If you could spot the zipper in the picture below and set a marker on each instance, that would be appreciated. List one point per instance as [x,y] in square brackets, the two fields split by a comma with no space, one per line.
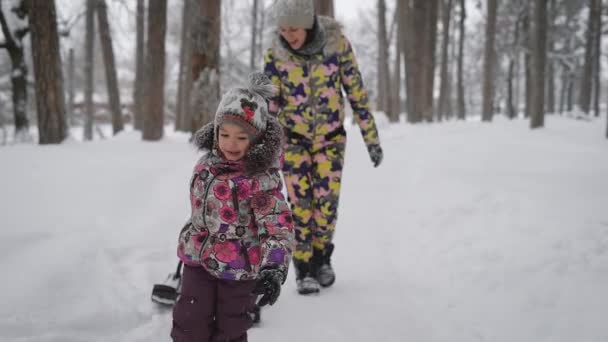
[235,199]
[206,192]
[311,100]
[246,256]
[235,204]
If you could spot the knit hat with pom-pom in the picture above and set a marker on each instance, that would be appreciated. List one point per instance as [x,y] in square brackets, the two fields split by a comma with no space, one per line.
[247,107]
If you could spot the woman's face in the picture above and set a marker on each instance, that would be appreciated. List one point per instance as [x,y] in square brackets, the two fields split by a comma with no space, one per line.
[294,36]
[233,141]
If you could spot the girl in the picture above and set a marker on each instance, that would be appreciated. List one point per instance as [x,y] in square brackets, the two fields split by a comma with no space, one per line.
[239,239]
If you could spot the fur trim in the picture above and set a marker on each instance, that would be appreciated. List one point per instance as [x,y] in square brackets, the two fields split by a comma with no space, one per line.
[333,37]
[262,155]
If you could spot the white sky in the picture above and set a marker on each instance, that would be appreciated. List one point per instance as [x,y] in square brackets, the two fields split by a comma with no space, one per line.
[348,9]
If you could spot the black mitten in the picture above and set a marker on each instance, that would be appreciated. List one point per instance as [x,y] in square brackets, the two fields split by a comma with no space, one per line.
[269,285]
[375,154]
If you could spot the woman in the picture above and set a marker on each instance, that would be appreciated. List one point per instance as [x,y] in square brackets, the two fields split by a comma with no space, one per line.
[310,62]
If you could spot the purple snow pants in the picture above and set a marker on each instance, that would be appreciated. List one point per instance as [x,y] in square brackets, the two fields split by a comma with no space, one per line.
[211,309]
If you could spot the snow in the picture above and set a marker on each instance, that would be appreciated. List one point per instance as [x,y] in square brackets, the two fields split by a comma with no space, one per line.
[467,232]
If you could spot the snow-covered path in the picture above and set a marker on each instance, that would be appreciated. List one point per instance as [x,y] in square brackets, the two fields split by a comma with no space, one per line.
[467,232]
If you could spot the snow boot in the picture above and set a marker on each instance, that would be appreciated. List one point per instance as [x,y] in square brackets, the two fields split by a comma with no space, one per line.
[305,281]
[321,260]
[167,292]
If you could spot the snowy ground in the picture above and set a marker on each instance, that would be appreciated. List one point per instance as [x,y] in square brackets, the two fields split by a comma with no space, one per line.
[467,232]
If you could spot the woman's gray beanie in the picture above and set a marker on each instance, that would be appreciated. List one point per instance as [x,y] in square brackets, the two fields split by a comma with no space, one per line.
[295,13]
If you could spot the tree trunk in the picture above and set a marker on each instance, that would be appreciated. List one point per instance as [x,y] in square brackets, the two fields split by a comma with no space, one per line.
[539,52]
[260,40]
[527,62]
[607,122]
[414,22]
[13,43]
[460,86]
[453,58]
[517,90]
[139,85]
[511,113]
[570,93]
[562,91]
[550,103]
[400,12]
[50,103]
[429,57]
[71,72]
[444,96]
[324,7]
[511,108]
[205,60]
[89,70]
[597,70]
[182,122]
[584,99]
[382,97]
[108,58]
[488,63]
[420,40]
[180,73]
[155,70]
[254,34]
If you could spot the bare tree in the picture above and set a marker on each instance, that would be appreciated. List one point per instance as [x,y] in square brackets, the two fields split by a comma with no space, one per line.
[430,41]
[254,35]
[89,70]
[460,81]
[108,58]
[420,62]
[184,80]
[139,86]
[550,99]
[539,56]
[2,128]
[71,72]
[584,99]
[527,47]
[513,56]
[597,37]
[400,12]
[488,63]
[205,61]
[154,106]
[13,43]
[50,105]
[445,107]
[262,24]
[324,7]
[382,98]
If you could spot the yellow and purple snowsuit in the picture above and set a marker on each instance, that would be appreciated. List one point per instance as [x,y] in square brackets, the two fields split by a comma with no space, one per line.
[310,106]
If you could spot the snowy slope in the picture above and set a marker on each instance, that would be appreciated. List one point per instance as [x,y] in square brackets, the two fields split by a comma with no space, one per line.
[467,232]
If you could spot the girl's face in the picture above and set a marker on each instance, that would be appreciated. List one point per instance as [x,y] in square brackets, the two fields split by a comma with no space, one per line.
[233,141]
[294,36]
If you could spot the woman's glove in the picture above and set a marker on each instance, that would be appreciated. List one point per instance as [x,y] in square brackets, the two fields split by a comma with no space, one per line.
[375,154]
[269,285]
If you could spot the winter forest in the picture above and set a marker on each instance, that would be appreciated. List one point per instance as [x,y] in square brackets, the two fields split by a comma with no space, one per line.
[487,220]
[428,60]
